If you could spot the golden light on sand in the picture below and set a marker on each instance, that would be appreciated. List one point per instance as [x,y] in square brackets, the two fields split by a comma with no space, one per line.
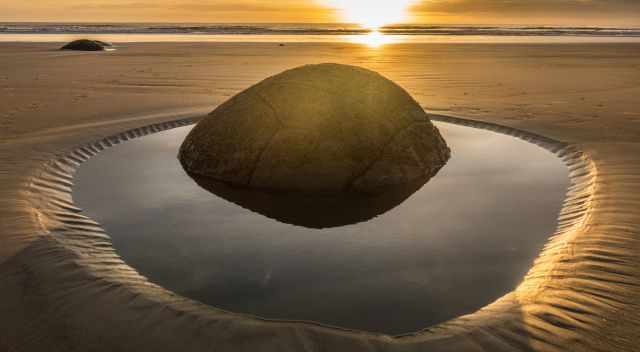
[375,39]
[372,14]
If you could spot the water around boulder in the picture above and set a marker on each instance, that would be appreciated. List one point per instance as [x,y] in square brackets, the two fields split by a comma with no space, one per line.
[317,129]
[450,236]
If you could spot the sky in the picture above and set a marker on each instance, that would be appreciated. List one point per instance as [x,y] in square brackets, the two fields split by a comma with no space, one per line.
[545,12]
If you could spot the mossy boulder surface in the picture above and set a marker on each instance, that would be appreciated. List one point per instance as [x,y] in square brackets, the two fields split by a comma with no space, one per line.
[324,128]
[86,45]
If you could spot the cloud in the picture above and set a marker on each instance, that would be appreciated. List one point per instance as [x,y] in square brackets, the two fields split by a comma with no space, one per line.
[217,6]
[593,12]
[523,6]
[561,12]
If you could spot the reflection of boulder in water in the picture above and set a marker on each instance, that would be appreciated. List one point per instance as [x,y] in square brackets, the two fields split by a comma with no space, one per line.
[86,45]
[313,211]
[318,129]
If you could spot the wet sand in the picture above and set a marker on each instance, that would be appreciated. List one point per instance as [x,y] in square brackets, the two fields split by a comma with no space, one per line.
[63,288]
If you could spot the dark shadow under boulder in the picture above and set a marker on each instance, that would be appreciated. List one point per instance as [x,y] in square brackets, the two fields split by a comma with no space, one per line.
[313,211]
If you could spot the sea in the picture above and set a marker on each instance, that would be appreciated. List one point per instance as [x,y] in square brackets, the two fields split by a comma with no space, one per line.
[301,32]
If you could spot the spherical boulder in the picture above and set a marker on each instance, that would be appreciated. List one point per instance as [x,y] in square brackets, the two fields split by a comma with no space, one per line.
[86,45]
[320,129]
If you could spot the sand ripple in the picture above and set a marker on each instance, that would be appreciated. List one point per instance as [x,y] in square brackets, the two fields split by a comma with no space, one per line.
[66,288]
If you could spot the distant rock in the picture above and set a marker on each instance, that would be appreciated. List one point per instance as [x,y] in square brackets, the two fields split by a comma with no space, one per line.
[317,129]
[86,45]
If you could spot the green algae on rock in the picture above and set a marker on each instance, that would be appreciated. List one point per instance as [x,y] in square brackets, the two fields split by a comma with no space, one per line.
[320,129]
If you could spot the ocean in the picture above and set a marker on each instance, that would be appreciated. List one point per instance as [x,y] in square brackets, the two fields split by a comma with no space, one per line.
[298,32]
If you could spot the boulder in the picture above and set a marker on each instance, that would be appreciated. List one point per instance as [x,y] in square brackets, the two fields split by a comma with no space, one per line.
[86,45]
[317,129]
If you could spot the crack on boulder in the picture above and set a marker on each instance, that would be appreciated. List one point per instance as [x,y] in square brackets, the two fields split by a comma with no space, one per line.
[271,107]
[398,132]
[258,160]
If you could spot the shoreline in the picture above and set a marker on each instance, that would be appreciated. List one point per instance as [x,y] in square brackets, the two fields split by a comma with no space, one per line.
[355,39]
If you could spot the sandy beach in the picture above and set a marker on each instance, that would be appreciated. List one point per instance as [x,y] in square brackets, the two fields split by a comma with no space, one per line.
[63,287]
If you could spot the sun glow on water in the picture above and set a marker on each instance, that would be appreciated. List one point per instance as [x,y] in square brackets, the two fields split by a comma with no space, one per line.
[372,14]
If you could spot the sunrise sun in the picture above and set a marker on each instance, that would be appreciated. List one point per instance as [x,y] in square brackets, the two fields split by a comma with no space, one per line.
[372,14]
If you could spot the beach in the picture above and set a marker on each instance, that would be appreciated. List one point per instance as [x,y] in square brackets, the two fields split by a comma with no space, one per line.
[63,288]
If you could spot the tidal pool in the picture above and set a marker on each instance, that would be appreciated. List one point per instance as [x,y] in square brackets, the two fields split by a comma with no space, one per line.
[458,243]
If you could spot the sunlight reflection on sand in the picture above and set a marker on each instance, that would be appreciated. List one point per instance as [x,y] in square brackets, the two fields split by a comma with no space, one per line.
[375,39]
